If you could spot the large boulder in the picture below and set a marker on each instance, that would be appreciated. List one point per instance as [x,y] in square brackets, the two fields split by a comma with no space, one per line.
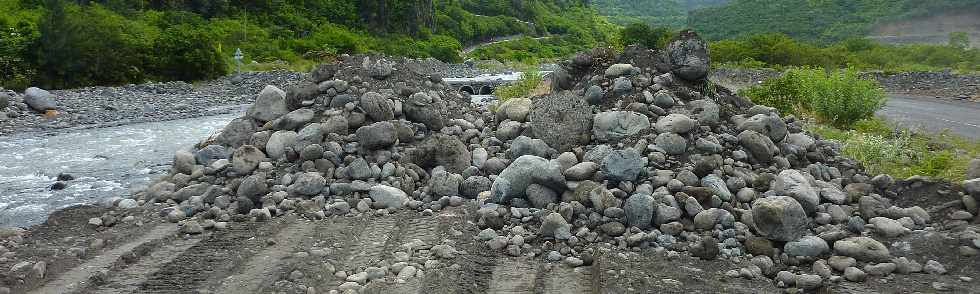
[378,135]
[443,183]
[639,210]
[516,109]
[526,170]
[563,121]
[688,56]
[792,183]
[440,150]
[424,109]
[671,143]
[184,162]
[615,125]
[39,99]
[246,158]
[863,249]
[308,184]
[706,111]
[269,105]
[278,142]
[779,218]
[377,107]
[237,132]
[623,165]
[676,123]
[293,120]
[760,147]
[769,125]
[527,146]
[387,197]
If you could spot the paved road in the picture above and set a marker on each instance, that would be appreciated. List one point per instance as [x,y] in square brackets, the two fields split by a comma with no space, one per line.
[931,114]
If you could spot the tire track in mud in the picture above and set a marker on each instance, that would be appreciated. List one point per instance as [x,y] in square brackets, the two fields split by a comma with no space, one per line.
[369,246]
[129,278]
[260,269]
[563,279]
[193,268]
[513,277]
[409,228]
[78,277]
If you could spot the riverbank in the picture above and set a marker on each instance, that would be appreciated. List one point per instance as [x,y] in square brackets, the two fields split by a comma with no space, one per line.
[150,102]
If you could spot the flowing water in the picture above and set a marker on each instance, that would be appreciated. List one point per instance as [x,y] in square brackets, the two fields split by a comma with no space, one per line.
[106,162]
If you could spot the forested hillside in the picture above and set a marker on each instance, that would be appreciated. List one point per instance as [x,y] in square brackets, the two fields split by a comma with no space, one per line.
[60,43]
[659,13]
[813,20]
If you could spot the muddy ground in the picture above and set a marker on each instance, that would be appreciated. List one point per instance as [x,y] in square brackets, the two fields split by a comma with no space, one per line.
[146,255]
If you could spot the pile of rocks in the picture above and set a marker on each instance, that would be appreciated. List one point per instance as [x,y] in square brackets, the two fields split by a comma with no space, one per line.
[632,151]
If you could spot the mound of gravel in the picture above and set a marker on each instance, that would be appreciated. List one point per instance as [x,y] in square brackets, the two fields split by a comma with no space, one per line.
[707,174]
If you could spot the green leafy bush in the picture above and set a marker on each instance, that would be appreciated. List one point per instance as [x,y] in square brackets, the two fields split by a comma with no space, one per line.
[643,34]
[522,88]
[785,93]
[840,98]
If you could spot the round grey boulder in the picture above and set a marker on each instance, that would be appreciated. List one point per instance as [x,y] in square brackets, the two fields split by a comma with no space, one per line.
[688,57]
[308,184]
[779,218]
[376,136]
[269,105]
[563,121]
[377,107]
[615,125]
[623,165]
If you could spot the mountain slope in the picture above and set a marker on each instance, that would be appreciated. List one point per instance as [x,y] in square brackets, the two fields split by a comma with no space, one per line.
[814,20]
[665,13]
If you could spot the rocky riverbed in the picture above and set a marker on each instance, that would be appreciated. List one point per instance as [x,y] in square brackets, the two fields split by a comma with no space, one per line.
[370,175]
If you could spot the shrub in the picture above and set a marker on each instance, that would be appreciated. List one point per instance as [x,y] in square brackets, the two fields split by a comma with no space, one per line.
[522,88]
[785,93]
[643,34]
[842,97]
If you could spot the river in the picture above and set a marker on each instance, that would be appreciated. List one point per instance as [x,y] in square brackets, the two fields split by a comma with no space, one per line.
[105,162]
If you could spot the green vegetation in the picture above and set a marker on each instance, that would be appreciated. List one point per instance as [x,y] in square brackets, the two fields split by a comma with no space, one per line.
[839,98]
[658,13]
[885,148]
[822,21]
[779,50]
[840,106]
[643,34]
[522,88]
[60,43]
[581,29]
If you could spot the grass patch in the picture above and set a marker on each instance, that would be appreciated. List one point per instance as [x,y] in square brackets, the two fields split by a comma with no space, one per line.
[299,65]
[884,148]
[529,81]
